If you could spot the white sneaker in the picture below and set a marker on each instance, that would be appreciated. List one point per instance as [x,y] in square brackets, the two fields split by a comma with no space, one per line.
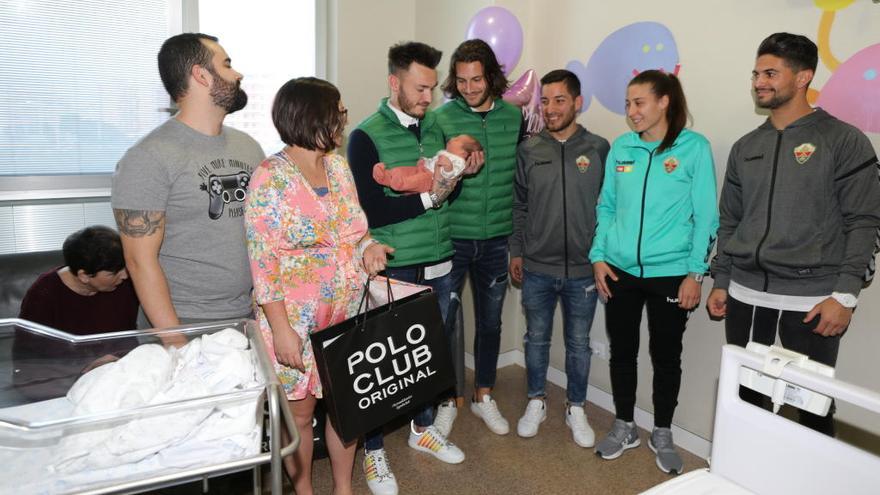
[488,410]
[576,419]
[446,413]
[434,443]
[380,479]
[535,414]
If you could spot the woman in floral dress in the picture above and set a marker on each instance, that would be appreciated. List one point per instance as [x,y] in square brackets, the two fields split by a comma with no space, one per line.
[310,255]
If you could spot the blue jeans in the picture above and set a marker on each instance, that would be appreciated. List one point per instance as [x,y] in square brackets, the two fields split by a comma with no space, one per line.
[539,295]
[425,416]
[486,263]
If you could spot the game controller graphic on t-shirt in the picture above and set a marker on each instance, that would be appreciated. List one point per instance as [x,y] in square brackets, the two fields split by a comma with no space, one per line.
[224,189]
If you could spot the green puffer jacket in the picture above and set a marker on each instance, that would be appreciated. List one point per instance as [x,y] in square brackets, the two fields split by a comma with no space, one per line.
[424,239]
[483,209]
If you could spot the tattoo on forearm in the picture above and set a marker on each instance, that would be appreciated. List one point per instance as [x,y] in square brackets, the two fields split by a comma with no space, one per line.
[444,187]
[139,223]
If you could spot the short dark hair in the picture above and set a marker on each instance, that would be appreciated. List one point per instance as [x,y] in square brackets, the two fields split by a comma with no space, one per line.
[572,83]
[476,50]
[401,55]
[93,249]
[177,57]
[667,84]
[306,113]
[797,51]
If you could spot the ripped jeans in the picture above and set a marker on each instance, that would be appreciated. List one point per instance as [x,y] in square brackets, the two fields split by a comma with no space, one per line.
[539,295]
[486,263]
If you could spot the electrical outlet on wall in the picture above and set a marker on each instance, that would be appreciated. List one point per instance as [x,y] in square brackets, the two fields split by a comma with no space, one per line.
[600,349]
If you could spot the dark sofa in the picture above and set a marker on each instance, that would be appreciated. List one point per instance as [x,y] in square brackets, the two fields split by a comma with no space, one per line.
[17,273]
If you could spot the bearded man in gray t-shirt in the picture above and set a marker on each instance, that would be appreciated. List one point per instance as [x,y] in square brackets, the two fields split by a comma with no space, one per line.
[178,194]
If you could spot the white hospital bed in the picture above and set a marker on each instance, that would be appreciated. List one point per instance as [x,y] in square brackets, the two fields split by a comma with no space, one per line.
[757,452]
[30,432]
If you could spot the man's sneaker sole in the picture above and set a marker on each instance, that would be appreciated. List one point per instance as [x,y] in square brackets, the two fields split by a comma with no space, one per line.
[435,454]
[657,460]
[620,452]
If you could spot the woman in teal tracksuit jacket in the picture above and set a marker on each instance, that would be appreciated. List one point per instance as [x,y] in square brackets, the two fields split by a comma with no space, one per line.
[657,218]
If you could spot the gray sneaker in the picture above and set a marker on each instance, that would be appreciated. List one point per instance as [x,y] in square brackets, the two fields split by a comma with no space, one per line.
[668,459]
[622,436]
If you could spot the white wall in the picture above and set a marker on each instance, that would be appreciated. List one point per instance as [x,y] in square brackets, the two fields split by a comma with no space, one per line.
[716,41]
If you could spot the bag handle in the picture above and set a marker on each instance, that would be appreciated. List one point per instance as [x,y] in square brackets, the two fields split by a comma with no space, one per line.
[365,300]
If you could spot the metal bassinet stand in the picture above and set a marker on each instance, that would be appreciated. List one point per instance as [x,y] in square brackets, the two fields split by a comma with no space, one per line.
[21,434]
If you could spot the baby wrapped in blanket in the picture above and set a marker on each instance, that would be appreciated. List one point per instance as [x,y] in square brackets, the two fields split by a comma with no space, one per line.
[419,178]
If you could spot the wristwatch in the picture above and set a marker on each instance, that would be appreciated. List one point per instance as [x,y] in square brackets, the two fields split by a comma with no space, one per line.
[435,200]
[845,300]
[698,277]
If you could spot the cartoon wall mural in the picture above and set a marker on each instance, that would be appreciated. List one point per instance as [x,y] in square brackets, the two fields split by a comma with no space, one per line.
[852,93]
[629,50]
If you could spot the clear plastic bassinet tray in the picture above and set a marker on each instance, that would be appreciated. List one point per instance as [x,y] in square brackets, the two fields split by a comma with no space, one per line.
[78,413]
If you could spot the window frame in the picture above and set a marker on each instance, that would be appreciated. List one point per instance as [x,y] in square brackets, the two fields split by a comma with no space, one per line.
[183,16]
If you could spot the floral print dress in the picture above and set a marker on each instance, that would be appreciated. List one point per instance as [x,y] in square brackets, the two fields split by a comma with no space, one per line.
[302,250]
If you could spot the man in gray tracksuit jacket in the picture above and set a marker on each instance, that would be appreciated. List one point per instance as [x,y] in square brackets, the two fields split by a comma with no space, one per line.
[558,179]
[554,205]
[800,212]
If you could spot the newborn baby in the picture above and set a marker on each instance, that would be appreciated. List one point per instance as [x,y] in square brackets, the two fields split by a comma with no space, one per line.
[419,178]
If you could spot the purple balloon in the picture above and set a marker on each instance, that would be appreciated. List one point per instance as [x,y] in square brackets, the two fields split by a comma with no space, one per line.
[499,28]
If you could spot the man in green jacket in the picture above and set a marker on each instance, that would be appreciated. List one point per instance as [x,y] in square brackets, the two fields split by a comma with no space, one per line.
[400,132]
[480,220]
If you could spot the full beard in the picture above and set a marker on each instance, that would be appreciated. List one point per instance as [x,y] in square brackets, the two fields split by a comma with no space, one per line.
[408,107]
[228,96]
[562,124]
[483,98]
[776,101]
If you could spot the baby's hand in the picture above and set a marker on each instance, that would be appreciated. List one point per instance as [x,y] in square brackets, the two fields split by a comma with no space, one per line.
[446,164]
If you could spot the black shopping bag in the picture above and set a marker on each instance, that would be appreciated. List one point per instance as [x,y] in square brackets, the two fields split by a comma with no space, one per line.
[385,362]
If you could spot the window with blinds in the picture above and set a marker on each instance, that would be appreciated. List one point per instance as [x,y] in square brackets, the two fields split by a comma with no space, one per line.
[78,83]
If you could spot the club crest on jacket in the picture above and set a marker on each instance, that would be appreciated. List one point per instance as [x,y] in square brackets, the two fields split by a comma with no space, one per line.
[803,152]
[583,163]
[670,164]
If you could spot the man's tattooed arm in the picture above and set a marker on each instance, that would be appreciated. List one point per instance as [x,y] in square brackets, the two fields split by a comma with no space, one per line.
[443,187]
[139,223]
[142,233]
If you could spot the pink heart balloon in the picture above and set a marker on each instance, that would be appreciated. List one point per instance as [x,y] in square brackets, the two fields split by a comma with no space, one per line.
[520,92]
[532,112]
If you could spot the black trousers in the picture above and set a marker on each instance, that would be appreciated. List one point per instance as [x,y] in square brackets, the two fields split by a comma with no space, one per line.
[666,324]
[746,323]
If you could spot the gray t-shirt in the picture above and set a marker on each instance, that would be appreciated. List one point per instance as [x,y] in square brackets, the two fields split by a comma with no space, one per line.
[199,182]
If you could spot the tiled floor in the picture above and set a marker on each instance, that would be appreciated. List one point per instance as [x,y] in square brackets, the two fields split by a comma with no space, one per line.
[549,463]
